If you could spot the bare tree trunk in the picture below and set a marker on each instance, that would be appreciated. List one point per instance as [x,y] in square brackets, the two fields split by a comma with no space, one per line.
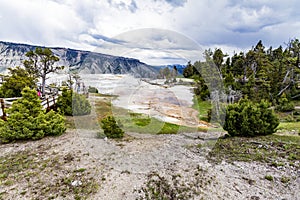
[283,90]
[286,75]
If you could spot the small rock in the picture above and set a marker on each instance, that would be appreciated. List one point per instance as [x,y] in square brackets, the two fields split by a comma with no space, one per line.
[76,183]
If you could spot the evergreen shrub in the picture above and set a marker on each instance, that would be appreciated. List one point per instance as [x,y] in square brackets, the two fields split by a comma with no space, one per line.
[246,118]
[111,128]
[73,104]
[28,120]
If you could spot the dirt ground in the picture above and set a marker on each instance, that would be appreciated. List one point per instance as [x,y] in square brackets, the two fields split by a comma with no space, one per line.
[121,167]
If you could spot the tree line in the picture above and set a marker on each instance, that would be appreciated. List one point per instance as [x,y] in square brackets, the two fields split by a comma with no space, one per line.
[258,74]
[252,82]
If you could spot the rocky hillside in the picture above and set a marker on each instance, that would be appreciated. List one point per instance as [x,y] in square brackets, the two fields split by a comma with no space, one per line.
[12,54]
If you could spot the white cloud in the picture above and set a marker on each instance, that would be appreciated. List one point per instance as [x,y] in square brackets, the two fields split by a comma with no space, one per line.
[153,46]
[38,22]
[82,24]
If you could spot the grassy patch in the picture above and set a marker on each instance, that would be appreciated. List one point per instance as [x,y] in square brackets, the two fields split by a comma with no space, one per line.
[269,177]
[153,126]
[104,95]
[69,122]
[274,150]
[289,126]
[136,122]
[202,107]
[169,128]
[103,108]
[140,119]
[285,179]
[81,122]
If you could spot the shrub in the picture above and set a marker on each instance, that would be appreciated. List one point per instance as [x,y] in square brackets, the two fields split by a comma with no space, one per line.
[284,105]
[269,177]
[73,104]
[246,118]
[111,128]
[28,120]
[92,90]
[14,84]
[285,179]
[289,118]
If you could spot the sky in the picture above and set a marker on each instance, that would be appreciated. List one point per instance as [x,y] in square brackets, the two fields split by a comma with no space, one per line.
[154,31]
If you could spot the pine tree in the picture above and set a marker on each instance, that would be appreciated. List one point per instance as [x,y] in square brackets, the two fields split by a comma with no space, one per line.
[40,63]
[14,84]
[73,104]
[28,120]
[111,128]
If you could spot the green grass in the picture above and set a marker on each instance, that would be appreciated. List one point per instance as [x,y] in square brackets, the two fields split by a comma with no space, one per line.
[289,126]
[104,95]
[69,122]
[141,123]
[103,108]
[285,179]
[81,122]
[169,128]
[136,122]
[202,107]
[269,177]
[296,103]
[140,119]
[275,150]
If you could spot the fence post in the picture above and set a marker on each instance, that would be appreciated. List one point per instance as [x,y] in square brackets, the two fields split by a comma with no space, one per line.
[48,107]
[54,104]
[3,109]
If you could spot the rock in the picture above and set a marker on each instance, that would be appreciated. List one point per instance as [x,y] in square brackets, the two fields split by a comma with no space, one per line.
[76,183]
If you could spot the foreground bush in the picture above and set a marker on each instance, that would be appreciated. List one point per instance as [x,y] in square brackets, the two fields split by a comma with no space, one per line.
[250,119]
[73,104]
[28,120]
[111,128]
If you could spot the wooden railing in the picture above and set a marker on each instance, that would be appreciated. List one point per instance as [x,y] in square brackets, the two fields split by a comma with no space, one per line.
[47,103]
[6,103]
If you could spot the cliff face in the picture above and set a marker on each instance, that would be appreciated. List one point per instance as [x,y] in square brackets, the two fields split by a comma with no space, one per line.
[12,54]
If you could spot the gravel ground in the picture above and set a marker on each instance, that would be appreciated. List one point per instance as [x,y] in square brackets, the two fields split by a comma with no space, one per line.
[121,167]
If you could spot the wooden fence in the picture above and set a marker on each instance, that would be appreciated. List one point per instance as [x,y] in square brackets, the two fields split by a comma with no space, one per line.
[47,104]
